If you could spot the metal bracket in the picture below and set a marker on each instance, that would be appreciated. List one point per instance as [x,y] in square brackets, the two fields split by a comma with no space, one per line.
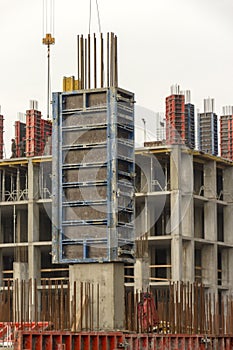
[123,345]
[205,340]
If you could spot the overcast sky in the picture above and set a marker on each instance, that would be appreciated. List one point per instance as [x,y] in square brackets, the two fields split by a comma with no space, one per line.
[188,42]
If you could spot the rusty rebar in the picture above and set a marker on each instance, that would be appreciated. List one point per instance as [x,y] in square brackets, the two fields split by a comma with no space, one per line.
[101,61]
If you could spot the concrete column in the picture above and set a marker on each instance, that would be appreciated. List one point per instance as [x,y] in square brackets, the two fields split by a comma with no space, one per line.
[210,221]
[175,164]
[186,172]
[34,256]
[33,221]
[141,267]
[225,267]
[143,162]
[142,274]
[110,279]
[227,210]
[140,217]
[175,171]
[187,215]
[210,208]
[188,261]
[210,186]
[3,181]
[198,222]
[1,269]
[20,275]
[176,259]
[20,271]
[175,219]
[18,184]
[229,269]
[209,265]
[228,224]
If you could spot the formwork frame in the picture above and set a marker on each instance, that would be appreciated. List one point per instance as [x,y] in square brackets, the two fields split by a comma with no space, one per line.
[226,139]
[118,340]
[33,132]
[116,150]
[208,126]
[20,134]
[190,125]
[175,119]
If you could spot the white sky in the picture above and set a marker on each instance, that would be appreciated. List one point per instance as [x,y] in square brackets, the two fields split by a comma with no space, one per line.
[161,43]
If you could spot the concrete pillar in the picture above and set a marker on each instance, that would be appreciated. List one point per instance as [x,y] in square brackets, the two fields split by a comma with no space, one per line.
[3,182]
[187,212]
[198,222]
[210,221]
[210,187]
[143,163]
[176,242]
[1,269]
[20,275]
[140,227]
[187,215]
[210,208]
[20,271]
[176,259]
[175,164]
[142,274]
[110,279]
[141,267]
[34,256]
[225,267]
[228,224]
[227,210]
[229,269]
[18,184]
[175,219]
[188,261]
[33,221]
[186,172]
[209,265]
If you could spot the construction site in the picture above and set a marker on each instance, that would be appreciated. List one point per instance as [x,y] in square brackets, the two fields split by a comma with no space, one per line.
[105,246]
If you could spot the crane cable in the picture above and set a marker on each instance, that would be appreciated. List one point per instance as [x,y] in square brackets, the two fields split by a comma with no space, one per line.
[48,16]
[98,15]
[48,30]
[90,18]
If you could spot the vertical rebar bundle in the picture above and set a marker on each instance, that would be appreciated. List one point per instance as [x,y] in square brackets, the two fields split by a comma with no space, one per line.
[97,61]
[181,308]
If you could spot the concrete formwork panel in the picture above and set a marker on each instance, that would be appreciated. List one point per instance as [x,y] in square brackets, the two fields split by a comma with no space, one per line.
[93,176]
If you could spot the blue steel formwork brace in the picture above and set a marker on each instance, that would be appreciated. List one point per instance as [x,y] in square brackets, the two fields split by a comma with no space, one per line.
[93,214]
[112,158]
[56,178]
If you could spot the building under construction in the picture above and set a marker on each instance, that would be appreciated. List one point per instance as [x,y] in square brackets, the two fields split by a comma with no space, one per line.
[108,247]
